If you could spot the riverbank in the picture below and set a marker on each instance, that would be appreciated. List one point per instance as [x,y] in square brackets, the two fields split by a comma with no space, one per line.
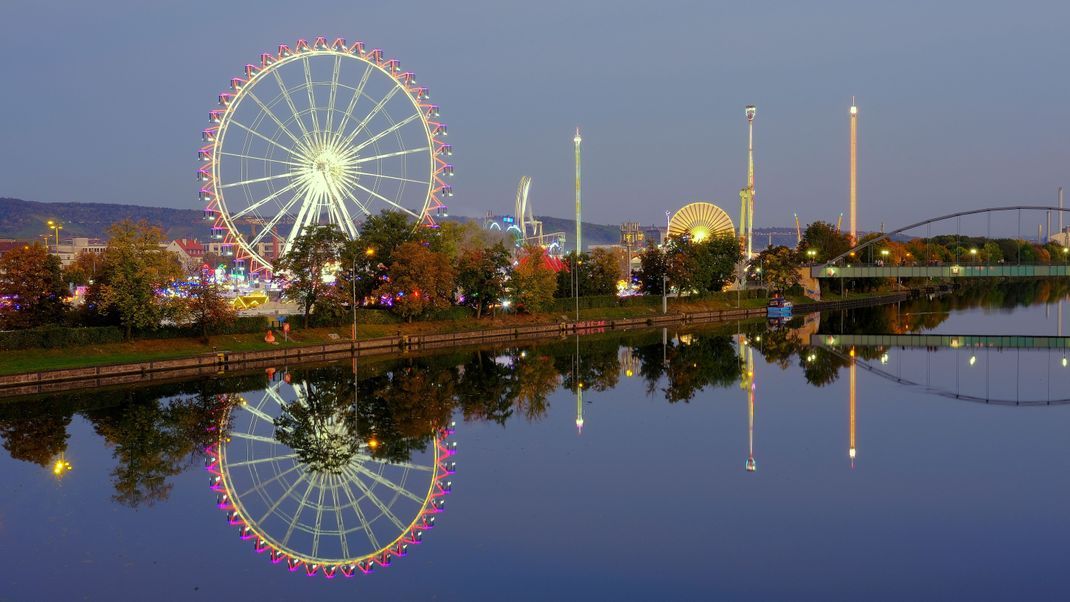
[42,370]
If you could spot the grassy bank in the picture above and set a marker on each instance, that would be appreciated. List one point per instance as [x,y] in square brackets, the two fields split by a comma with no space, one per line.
[36,360]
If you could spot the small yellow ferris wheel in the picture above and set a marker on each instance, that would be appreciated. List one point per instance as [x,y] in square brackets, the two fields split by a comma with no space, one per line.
[701,220]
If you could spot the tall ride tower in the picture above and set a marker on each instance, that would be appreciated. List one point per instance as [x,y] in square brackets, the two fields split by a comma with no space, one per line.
[579,231]
[854,172]
[746,196]
[579,226]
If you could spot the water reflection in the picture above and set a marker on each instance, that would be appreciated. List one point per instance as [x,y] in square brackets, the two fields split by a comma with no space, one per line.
[324,483]
[325,470]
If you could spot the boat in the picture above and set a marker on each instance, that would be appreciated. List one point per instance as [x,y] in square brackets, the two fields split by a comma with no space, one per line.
[778,307]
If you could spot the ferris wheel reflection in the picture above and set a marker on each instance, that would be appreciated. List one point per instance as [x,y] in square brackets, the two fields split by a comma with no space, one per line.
[312,485]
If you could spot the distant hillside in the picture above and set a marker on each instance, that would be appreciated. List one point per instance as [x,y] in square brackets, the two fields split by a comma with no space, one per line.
[27,219]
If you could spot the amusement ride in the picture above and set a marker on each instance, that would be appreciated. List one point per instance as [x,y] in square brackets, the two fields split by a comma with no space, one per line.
[325,132]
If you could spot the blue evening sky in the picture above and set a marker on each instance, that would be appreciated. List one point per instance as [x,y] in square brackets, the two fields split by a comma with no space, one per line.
[963,104]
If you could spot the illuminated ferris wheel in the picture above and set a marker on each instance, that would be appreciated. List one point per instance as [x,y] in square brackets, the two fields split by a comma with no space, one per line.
[321,133]
[299,482]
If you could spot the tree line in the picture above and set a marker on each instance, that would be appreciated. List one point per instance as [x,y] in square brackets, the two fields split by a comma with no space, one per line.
[135,284]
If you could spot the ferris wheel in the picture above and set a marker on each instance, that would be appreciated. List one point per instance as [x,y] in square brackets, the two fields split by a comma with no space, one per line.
[321,500]
[321,133]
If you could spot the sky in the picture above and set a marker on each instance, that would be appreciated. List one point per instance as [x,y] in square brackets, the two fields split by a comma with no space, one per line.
[962,104]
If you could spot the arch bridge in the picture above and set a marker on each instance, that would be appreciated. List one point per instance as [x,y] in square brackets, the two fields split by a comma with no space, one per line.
[844,265]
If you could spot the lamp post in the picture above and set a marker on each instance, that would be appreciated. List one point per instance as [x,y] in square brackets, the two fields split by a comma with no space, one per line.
[664,293]
[369,252]
[55,227]
[973,255]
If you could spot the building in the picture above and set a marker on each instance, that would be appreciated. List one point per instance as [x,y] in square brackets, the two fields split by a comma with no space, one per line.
[189,251]
[227,250]
[69,250]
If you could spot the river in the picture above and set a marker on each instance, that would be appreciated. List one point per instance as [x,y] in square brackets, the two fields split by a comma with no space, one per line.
[721,462]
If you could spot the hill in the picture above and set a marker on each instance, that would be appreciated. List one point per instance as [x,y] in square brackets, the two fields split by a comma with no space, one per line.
[26,219]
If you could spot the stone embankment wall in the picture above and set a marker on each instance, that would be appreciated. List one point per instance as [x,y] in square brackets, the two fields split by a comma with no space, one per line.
[223,362]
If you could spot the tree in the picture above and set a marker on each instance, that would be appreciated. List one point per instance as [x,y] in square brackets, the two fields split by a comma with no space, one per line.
[533,282]
[680,265]
[205,307]
[421,281]
[135,268]
[653,269]
[313,254]
[85,269]
[717,258]
[702,267]
[31,278]
[481,276]
[780,267]
[825,241]
[600,273]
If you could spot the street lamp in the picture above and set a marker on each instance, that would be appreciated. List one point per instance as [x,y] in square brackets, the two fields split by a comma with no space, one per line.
[973,254]
[55,227]
[369,252]
[812,254]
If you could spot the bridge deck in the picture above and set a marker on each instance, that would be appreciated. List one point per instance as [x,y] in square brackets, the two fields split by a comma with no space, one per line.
[951,341]
[940,271]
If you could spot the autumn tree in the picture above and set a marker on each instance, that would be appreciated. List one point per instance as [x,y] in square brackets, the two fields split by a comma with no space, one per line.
[135,267]
[206,308]
[421,281]
[653,270]
[313,254]
[481,276]
[825,241]
[533,282]
[599,271]
[85,269]
[30,277]
[780,267]
[369,255]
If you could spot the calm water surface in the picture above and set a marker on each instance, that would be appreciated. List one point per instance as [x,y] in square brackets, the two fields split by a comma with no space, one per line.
[945,497]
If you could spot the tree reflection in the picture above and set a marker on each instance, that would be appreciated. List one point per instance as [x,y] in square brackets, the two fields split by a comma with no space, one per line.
[37,437]
[153,441]
[320,425]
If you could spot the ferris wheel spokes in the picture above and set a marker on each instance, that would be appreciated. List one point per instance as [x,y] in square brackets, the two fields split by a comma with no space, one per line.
[386,200]
[271,114]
